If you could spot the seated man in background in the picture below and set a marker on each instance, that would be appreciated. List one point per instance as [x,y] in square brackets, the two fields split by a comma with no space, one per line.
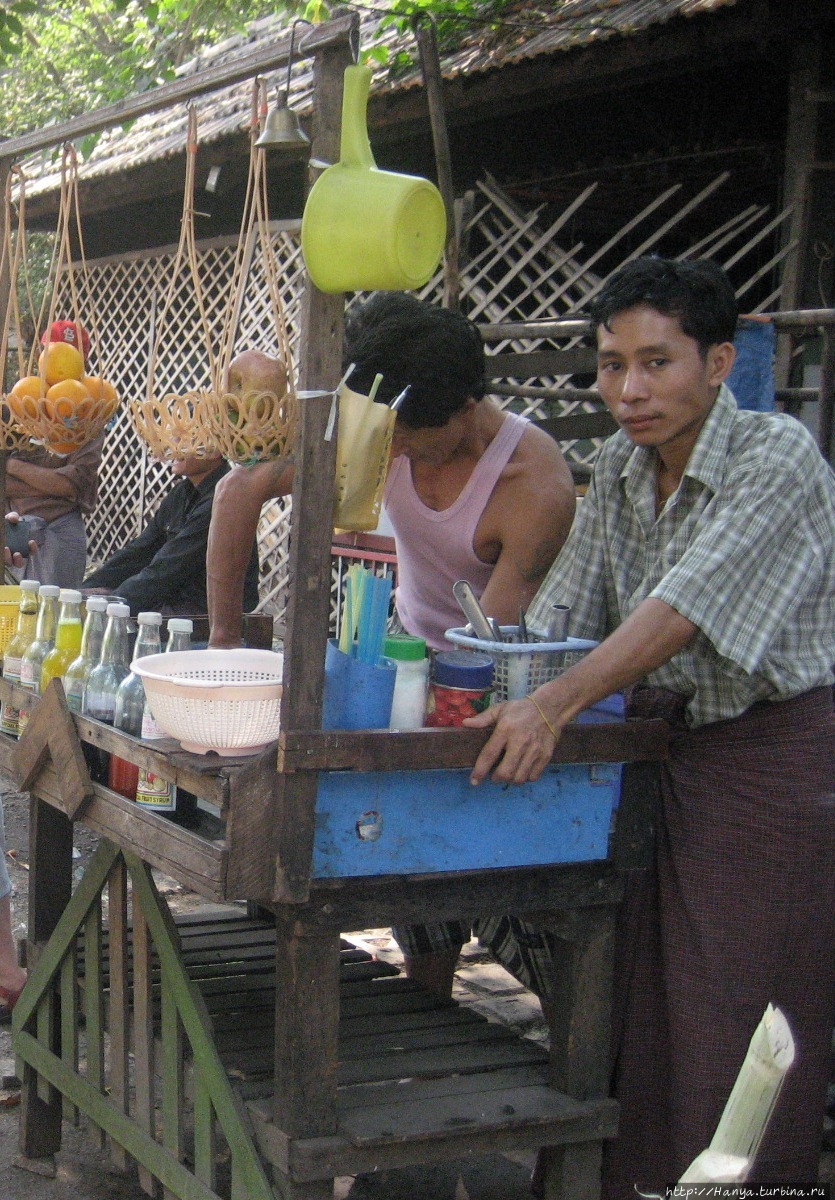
[164,568]
[62,490]
[472,493]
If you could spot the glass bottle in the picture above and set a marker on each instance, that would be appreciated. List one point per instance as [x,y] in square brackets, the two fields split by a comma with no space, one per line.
[91,639]
[32,658]
[122,776]
[24,634]
[152,791]
[99,697]
[67,638]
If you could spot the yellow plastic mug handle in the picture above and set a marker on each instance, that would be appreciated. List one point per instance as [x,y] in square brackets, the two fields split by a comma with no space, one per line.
[355,148]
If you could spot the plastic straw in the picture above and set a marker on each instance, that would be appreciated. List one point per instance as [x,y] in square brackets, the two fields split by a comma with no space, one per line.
[378,379]
[347,615]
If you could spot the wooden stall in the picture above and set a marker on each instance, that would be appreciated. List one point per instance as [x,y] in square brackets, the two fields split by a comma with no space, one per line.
[253,1054]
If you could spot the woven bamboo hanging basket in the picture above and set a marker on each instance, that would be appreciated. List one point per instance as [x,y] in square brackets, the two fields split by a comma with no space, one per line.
[14,266]
[173,424]
[252,408]
[63,399]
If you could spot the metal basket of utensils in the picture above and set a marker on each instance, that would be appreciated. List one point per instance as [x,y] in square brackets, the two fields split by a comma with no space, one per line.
[522,666]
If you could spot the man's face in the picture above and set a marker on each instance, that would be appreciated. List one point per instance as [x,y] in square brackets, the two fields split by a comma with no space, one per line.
[194,467]
[432,445]
[654,380]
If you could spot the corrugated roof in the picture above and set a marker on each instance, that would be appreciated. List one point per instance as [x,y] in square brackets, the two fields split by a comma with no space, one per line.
[529,31]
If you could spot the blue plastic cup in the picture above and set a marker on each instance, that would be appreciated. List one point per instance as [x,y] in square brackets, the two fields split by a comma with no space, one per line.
[358,695]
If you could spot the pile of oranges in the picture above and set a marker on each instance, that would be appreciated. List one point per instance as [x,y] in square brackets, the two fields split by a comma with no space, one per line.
[62,396]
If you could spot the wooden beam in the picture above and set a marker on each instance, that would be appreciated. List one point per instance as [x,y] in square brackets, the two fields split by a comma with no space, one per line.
[373,750]
[209,79]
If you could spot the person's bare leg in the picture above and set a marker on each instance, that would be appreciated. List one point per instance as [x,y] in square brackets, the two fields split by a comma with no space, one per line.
[12,976]
[435,972]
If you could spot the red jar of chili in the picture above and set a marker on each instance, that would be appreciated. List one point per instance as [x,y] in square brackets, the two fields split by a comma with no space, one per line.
[461,686]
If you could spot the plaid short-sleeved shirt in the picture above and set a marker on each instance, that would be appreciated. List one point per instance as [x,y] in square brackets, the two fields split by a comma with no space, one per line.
[745,549]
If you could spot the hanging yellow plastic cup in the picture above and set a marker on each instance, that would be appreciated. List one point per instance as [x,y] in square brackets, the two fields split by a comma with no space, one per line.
[365,229]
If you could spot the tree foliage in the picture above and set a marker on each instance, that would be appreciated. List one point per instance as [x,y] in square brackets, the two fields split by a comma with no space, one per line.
[57,59]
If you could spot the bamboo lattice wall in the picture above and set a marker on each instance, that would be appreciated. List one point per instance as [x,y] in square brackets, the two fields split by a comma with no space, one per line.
[516,269]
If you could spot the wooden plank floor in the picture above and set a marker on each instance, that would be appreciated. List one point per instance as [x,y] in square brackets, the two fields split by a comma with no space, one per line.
[419,1078]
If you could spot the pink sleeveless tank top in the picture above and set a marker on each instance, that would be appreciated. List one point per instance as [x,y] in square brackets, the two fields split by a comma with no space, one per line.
[436,548]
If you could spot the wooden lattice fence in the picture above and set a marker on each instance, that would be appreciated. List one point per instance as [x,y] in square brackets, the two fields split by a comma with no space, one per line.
[516,269]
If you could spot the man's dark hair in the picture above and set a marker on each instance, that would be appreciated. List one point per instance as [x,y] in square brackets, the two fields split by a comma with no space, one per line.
[698,293]
[438,354]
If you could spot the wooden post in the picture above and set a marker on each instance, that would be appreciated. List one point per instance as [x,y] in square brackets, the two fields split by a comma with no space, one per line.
[312,525]
[797,181]
[50,887]
[430,63]
[307,963]
[579,1019]
[826,396]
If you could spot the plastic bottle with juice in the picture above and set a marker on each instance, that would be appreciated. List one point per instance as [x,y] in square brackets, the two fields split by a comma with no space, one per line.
[24,633]
[67,638]
[33,656]
[123,776]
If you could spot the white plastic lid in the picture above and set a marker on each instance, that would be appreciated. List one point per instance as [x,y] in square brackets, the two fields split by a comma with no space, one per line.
[118,610]
[180,625]
[30,585]
[95,603]
[49,589]
[70,596]
[149,618]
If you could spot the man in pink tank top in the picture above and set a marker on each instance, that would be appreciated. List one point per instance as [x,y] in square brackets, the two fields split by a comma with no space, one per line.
[472,493]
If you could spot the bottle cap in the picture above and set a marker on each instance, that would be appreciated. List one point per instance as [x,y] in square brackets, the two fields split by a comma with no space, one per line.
[118,610]
[95,603]
[70,596]
[463,669]
[30,585]
[49,590]
[180,625]
[149,618]
[404,647]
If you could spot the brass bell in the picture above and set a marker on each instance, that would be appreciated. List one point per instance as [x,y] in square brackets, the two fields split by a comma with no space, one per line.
[282,128]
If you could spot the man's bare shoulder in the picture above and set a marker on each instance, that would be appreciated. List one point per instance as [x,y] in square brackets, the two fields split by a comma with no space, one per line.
[538,462]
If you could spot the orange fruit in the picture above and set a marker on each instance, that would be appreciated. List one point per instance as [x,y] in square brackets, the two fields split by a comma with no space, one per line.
[99,388]
[65,401]
[30,385]
[60,361]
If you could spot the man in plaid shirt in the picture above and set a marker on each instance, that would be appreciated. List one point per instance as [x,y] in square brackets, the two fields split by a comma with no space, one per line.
[703,558]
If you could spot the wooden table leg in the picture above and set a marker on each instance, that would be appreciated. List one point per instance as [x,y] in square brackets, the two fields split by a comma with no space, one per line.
[306,1041]
[50,887]
[579,1019]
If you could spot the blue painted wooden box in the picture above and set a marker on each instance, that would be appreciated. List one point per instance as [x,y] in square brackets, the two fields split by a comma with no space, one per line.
[415,822]
[411,822]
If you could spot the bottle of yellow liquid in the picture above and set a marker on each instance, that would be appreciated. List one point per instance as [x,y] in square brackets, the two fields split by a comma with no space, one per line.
[67,638]
[22,637]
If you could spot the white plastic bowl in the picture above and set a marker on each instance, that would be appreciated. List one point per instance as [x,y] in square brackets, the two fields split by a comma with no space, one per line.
[228,701]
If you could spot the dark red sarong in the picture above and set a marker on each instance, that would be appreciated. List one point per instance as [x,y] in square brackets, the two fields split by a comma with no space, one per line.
[739,911]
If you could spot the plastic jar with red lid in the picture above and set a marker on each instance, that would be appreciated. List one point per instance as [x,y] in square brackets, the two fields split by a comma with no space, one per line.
[461,686]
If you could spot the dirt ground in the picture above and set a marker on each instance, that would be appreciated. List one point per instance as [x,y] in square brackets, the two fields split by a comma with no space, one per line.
[82,1172]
